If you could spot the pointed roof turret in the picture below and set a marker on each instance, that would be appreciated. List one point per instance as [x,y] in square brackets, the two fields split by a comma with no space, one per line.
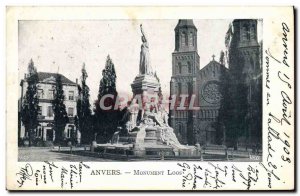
[185,23]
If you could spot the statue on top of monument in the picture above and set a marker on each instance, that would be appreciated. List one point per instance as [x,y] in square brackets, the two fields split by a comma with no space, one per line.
[145,67]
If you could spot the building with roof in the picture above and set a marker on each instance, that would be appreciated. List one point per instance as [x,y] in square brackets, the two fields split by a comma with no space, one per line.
[200,126]
[46,88]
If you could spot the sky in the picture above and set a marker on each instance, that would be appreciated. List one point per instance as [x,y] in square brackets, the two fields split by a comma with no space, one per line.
[63,46]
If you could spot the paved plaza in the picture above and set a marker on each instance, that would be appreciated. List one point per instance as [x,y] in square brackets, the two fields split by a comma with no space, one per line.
[39,154]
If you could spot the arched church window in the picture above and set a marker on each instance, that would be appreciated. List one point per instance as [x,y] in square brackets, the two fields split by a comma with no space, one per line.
[246,32]
[252,31]
[189,67]
[179,68]
[191,39]
[184,39]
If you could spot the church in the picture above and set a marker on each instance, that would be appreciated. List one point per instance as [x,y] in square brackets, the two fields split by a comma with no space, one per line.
[243,50]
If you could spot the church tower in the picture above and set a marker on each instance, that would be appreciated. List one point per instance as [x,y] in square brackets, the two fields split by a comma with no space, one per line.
[245,46]
[245,58]
[185,66]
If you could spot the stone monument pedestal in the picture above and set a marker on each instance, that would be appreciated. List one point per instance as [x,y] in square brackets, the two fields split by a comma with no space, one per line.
[145,85]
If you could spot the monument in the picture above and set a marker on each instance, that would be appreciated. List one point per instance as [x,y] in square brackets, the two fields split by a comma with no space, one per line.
[146,130]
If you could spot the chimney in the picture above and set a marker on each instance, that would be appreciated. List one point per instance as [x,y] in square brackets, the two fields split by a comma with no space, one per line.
[24,75]
[76,80]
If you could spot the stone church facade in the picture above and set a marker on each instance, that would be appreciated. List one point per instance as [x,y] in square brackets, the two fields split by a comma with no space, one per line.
[200,126]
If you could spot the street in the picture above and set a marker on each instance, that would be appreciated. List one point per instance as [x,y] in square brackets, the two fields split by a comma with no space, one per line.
[39,154]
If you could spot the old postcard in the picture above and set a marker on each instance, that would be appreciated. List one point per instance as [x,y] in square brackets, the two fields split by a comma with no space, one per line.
[150,98]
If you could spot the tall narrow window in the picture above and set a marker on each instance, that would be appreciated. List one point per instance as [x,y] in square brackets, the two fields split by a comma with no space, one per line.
[71,131]
[186,39]
[50,94]
[191,39]
[70,111]
[189,67]
[50,111]
[183,39]
[246,32]
[179,68]
[71,95]
[40,93]
[40,111]
[252,32]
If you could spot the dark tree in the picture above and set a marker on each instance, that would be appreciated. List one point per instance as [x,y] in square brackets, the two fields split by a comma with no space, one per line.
[29,109]
[108,81]
[59,110]
[234,103]
[83,110]
[225,118]
[256,118]
[106,121]
[76,123]
[239,98]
